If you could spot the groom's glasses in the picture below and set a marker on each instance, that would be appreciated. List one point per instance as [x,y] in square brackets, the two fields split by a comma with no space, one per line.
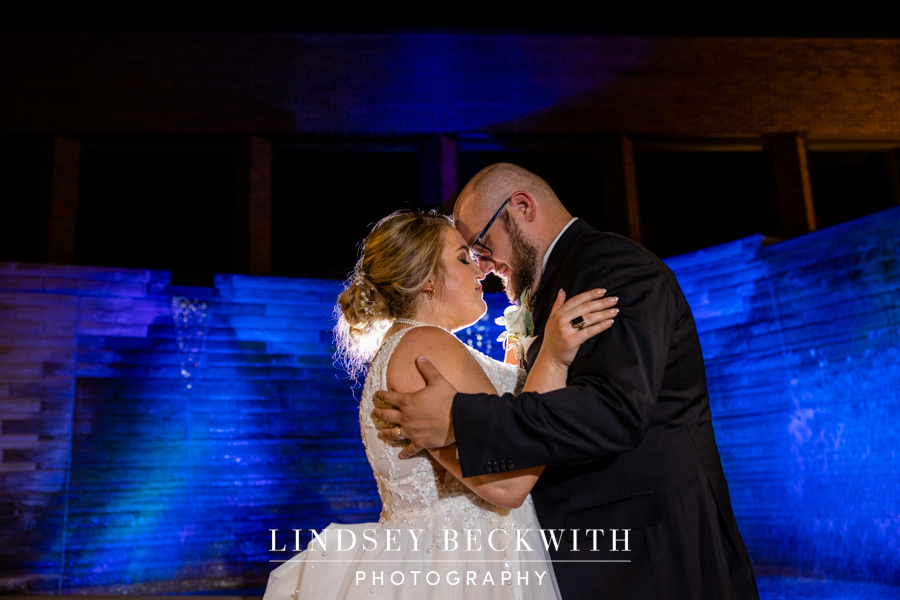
[479,250]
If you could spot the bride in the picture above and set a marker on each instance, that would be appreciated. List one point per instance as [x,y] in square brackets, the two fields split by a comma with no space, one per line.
[440,535]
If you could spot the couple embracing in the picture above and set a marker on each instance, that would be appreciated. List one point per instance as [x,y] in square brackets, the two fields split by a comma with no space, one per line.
[606,448]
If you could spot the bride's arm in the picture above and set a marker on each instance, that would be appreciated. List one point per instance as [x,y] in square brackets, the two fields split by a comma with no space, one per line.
[561,342]
[459,367]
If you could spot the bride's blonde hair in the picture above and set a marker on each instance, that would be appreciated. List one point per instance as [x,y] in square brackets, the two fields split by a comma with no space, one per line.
[398,256]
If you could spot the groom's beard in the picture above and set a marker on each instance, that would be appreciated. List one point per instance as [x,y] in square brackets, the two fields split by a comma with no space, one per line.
[523,261]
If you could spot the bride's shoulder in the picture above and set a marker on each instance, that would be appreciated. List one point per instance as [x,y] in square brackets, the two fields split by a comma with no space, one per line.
[443,349]
[432,342]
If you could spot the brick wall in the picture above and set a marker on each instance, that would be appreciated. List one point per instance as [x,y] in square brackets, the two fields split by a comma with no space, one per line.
[448,82]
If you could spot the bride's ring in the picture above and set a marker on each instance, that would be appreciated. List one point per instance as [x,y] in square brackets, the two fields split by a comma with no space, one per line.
[578,322]
[399,434]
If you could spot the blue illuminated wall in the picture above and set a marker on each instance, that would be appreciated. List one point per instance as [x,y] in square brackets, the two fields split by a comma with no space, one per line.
[170,487]
[117,475]
[802,348]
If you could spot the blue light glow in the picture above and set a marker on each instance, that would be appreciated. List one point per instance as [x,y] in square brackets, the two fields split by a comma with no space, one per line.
[169,485]
[427,82]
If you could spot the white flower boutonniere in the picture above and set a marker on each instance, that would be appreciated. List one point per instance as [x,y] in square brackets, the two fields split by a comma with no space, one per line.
[519,325]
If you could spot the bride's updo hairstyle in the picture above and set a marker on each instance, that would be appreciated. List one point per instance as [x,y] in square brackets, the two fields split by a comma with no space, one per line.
[398,256]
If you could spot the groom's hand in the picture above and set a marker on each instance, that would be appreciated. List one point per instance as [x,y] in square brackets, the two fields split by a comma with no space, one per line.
[424,417]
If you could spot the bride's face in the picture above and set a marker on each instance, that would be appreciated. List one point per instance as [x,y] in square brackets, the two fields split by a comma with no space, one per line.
[458,291]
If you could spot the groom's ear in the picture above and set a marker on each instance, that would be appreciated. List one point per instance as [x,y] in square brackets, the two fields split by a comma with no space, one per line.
[523,203]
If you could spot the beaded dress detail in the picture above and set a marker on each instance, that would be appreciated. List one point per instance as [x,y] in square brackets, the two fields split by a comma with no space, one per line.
[416,487]
[432,516]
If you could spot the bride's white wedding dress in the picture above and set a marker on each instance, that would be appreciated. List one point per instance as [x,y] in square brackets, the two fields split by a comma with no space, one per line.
[410,552]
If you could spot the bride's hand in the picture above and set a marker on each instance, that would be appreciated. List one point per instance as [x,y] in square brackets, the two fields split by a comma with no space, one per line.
[563,334]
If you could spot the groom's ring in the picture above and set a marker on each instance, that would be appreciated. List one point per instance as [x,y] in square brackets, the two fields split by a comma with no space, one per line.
[399,434]
[578,322]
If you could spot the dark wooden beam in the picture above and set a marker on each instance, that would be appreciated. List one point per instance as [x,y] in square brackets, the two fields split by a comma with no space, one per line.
[253,207]
[619,181]
[787,152]
[60,202]
[438,167]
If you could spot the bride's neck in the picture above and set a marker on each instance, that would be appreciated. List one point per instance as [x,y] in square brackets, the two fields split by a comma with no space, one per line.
[406,322]
[426,314]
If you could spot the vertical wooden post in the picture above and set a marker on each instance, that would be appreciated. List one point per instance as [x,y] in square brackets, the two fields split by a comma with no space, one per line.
[893,159]
[619,181]
[438,169]
[61,201]
[787,152]
[253,207]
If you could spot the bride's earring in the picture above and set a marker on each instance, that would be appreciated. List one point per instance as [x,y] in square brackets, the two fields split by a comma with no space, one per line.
[430,294]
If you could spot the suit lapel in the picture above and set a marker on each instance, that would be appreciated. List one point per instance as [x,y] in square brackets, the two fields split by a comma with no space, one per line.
[543,298]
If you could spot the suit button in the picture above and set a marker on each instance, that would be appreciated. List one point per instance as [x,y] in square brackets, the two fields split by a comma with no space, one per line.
[512,466]
[503,465]
[488,467]
[496,466]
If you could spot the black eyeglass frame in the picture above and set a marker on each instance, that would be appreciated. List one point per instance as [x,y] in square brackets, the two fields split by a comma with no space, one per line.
[476,254]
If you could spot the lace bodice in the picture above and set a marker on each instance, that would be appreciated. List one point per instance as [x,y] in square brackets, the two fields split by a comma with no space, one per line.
[420,487]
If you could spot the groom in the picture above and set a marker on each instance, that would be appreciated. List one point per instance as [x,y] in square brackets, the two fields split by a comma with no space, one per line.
[629,443]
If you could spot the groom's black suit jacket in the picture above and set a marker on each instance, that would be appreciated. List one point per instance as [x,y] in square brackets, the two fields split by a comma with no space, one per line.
[628,444]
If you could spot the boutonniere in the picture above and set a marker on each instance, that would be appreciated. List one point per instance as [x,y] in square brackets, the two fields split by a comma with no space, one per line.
[519,325]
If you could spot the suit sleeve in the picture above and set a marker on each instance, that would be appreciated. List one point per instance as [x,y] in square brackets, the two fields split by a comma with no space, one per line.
[613,382]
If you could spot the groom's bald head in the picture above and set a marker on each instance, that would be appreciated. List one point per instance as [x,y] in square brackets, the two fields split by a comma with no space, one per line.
[487,190]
